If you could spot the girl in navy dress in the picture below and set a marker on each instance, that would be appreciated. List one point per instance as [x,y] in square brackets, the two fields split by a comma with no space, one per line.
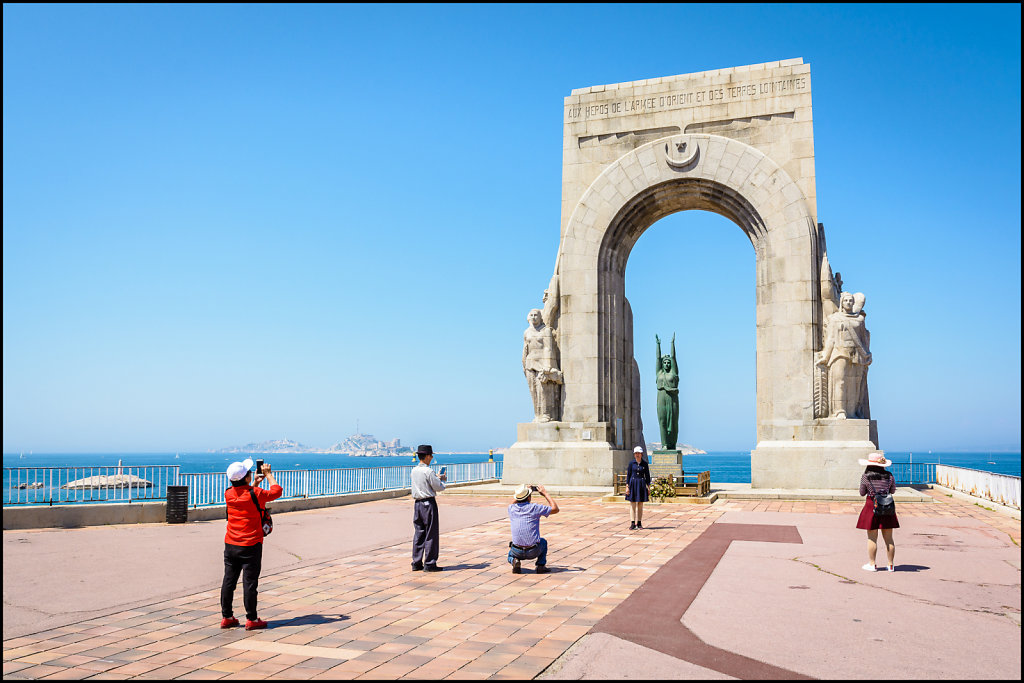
[876,480]
[638,481]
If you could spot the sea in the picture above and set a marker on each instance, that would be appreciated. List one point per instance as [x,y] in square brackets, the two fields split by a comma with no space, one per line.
[725,466]
[54,469]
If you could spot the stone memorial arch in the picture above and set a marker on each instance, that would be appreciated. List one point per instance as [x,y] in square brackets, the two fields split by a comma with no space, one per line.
[738,142]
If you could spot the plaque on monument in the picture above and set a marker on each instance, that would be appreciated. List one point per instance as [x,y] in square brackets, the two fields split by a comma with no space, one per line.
[664,463]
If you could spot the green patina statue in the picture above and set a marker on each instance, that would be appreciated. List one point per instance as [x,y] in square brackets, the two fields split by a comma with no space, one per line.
[668,396]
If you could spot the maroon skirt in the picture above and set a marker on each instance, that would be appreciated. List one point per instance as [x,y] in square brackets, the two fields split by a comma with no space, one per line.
[869,520]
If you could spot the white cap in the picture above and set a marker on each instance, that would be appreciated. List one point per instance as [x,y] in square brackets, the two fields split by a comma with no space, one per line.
[238,470]
[638,449]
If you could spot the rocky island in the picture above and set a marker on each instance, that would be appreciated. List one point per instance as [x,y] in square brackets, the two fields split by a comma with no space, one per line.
[355,445]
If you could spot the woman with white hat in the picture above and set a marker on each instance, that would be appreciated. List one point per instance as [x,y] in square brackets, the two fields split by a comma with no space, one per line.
[876,482]
[638,481]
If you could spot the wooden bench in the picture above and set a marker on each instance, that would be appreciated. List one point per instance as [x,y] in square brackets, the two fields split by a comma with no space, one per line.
[698,485]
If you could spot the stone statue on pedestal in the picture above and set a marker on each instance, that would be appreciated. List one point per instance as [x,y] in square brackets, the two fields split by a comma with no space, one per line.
[846,353]
[540,358]
[668,396]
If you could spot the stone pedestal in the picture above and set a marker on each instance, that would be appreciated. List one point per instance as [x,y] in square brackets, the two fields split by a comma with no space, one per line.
[665,463]
[821,454]
[563,454]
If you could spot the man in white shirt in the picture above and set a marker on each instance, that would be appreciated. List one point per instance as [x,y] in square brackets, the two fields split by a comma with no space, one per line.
[426,539]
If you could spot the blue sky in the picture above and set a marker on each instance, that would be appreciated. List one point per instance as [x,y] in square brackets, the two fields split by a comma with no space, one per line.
[236,223]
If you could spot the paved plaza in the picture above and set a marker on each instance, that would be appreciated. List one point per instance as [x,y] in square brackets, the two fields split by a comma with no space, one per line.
[737,589]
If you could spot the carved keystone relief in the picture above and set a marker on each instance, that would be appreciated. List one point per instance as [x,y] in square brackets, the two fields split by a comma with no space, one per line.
[629,139]
[681,154]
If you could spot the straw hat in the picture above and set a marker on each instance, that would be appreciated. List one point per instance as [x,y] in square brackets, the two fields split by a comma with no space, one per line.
[877,458]
[523,492]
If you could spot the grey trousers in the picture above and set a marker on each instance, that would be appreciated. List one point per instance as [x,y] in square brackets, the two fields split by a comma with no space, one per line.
[426,539]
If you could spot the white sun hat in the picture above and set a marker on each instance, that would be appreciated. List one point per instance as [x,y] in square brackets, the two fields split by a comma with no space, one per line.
[876,458]
[638,449]
[238,470]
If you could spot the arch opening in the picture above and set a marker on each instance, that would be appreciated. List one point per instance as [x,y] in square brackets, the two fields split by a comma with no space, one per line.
[615,319]
[691,275]
[592,435]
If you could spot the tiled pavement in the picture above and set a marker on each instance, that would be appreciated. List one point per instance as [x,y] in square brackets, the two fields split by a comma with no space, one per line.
[368,616]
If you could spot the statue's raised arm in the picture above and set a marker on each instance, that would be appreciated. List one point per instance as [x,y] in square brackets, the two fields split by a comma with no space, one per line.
[657,359]
[549,314]
[675,364]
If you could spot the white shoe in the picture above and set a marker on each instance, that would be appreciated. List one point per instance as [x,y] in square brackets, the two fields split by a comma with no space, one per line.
[869,568]
[892,568]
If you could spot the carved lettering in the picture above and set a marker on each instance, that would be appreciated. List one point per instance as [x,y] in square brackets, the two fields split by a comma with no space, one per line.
[687,98]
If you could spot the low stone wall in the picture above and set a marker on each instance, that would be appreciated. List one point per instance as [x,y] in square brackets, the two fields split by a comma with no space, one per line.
[98,514]
[981,502]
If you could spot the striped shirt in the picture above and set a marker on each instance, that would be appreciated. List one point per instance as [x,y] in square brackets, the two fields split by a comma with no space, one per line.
[525,519]
[869,487]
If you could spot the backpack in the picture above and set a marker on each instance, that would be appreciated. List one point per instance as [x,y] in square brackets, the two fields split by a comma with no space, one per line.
[265,518]
[885,505]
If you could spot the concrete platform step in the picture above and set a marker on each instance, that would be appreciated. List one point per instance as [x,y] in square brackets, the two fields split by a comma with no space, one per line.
[676,500]
[745,492]
[723,491]
[505,490]
[904,494]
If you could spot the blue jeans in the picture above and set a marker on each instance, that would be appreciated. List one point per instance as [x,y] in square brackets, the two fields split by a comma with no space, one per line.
[540,551]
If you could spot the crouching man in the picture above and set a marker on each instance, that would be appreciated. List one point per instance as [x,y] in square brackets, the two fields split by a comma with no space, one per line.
[525,518]
[243,542]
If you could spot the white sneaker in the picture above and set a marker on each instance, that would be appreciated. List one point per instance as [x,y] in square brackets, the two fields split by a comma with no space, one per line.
[892,568]
[869,568]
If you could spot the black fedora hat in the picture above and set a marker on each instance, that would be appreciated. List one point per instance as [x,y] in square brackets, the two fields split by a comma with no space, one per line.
[424,449]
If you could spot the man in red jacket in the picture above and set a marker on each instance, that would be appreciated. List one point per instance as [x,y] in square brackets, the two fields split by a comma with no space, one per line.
[243,542]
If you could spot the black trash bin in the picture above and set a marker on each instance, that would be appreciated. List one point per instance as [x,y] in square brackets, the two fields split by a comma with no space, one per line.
[177,504]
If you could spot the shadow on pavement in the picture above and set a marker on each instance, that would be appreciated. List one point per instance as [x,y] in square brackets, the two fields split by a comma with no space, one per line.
[456,567]
[910,568]
[308,620]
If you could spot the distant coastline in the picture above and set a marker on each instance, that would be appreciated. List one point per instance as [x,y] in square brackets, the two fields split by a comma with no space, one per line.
[357,445]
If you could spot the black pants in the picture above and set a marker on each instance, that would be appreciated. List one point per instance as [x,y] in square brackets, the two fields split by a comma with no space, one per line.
[426,538]
[246,560]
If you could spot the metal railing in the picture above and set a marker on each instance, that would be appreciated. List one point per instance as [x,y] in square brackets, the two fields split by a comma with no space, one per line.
[91,484]
[207,488]
[125,484]
[907,473]
[999,488]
